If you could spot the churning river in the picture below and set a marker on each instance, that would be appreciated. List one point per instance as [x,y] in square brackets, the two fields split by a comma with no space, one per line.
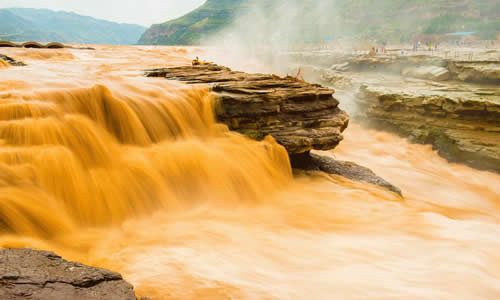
[112,169]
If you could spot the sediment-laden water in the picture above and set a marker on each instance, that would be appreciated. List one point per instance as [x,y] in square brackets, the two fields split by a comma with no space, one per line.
[133,174]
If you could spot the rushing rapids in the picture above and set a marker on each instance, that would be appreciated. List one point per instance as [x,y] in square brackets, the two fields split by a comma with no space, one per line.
[3,64]
[109,168]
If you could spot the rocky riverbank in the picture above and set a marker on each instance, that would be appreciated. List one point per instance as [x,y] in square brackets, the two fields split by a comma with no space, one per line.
[483,68]
[452,104]
[462,126]
[300,116]
[43,275]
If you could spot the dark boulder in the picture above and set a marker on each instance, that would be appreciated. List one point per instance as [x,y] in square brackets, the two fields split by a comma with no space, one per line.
[314,162]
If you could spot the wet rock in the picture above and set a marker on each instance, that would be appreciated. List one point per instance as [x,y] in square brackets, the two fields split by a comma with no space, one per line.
[43,275]
[299,115]
[12,61]
[314,162]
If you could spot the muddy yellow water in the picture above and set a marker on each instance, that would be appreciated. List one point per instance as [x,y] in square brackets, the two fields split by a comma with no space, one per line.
[132,174]
[3,64]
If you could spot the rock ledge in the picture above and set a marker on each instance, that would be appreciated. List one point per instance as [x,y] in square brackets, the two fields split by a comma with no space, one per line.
[298,115]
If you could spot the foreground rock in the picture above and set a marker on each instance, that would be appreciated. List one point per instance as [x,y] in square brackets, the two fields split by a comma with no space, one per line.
[299,115]
[42,275]
[12,61]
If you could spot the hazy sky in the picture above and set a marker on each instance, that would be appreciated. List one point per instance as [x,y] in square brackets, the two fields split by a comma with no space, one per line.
[143,12]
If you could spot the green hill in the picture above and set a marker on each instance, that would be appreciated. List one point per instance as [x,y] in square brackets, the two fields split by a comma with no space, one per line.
[43,25]
[208,19]
[315,21]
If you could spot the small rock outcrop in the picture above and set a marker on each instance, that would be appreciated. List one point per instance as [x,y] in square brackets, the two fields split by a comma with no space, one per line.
[299,115]
[43,275]
[12,61]
[350,170]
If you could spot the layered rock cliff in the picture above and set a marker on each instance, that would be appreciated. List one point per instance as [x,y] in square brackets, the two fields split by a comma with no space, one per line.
[463,129]
[300,116]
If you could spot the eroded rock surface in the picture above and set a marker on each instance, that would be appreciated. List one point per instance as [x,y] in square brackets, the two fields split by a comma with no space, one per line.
[12,61]
[299,115]
[42,275]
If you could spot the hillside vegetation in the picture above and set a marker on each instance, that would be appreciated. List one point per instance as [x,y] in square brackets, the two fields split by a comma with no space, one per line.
[204,21]
[43,25]
[316,21]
